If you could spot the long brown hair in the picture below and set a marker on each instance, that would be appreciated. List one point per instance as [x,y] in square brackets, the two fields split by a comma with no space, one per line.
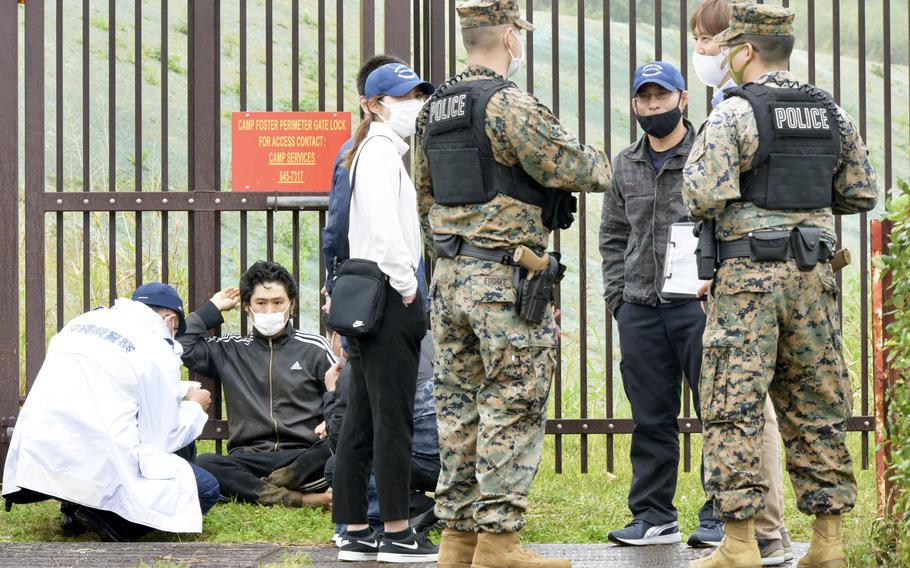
[360,134]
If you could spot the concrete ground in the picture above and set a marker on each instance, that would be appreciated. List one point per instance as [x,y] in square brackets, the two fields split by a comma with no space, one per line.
[198,555]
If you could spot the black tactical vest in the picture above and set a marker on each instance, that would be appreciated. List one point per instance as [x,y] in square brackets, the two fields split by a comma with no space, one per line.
[798,146]
[460,155]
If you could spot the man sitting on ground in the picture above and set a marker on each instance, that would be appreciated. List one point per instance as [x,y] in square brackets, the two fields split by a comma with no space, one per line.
[273,385]
[104,418]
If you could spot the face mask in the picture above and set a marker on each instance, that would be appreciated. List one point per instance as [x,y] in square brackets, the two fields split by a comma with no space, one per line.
[516,63]
[403,118]
[709,68]
[660,125]
[736,75]
[270,324]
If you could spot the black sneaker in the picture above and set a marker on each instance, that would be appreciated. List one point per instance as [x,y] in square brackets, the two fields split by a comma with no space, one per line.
[102,523]
[69,525]
[414,548]
[709,533]
[357,549]
[642,533]
[424,522]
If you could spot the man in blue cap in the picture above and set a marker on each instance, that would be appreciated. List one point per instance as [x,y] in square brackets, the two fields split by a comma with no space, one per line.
[104,418]
[660,338]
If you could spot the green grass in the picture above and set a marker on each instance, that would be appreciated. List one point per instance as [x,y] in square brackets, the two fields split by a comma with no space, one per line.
[570,507]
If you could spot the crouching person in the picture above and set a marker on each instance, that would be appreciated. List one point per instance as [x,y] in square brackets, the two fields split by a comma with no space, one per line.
[102,422]
[273,385]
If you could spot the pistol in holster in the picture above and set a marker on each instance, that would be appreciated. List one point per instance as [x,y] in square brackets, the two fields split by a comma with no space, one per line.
[706,252]
[535,279]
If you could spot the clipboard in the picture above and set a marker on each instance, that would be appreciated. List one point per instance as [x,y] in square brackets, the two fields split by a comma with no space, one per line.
[680,266]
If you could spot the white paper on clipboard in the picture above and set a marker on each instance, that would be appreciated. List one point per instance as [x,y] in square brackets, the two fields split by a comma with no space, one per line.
[680,267]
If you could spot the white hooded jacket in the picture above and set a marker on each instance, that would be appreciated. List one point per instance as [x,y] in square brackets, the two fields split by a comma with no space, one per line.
[105,414]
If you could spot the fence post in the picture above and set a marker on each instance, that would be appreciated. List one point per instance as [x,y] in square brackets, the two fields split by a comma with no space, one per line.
[398,28]
[9,223]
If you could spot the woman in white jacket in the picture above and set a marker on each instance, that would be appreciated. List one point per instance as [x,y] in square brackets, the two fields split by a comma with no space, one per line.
[384,228]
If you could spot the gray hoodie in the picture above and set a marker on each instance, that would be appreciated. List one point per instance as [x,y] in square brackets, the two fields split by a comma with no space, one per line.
[637,213]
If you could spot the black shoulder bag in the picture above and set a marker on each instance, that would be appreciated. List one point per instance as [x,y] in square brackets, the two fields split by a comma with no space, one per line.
[358,288]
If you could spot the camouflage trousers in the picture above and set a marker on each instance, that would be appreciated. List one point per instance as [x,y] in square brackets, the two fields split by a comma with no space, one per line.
[773,329]
[493,373]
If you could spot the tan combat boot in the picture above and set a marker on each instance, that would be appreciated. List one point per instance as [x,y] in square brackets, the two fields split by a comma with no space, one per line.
[501,550]
[827,547]
[738,550]
[456,549]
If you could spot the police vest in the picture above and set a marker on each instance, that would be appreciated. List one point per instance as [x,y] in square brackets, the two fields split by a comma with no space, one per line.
[798,146]
[460,155]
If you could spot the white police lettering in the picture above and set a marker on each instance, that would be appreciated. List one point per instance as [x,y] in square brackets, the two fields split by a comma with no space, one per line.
[801,118]
[446,108]
[405,72]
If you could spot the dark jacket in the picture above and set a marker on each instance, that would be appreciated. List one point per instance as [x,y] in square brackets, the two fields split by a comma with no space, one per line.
[637,213]
[273,386]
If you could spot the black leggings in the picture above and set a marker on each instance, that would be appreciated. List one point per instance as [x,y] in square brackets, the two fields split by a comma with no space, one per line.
[378,423]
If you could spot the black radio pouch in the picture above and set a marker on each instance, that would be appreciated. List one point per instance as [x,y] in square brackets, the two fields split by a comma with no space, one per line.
[769,245]
[808,247]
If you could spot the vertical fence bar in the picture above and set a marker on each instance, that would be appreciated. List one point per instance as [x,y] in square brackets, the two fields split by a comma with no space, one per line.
[836,72]
[438,39]
[608,318]
[269,93]
[215,284]
[137,120]
[320,48]
[582,244]
[557,402]
[863,243]
[453,53]
[684,66]
[295,106]
[112,149]
[367,29]
[632,60]
[530,47]
[165,248]
[398,29]
[811,41]
[886,45]
[9,227]
[339,63]
[58,58]
[86,157]
[243,107]
[34,182]
[658,31]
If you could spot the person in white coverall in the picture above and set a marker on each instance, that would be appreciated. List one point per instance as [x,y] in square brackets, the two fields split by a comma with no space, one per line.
[104,417]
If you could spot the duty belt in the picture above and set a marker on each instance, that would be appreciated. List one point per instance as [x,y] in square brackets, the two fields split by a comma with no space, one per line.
[459,247]
[742,248]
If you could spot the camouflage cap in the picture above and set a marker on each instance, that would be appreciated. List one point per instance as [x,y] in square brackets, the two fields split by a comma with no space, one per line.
[757,19]
[479,13]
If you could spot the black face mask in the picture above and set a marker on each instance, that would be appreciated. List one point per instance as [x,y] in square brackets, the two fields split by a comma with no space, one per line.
[661,125]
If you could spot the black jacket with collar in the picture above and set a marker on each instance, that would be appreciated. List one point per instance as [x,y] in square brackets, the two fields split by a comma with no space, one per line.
[273,386]
[637,213]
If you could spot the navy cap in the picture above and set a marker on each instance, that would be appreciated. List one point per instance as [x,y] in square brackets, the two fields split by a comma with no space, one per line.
[660,73]
[394,79]
[162,296]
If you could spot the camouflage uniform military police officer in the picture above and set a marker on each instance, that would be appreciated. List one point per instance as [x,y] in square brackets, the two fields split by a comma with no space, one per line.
[494,170]
[774,163]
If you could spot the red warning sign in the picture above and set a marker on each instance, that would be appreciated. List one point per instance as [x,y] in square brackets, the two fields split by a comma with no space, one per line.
[286,151]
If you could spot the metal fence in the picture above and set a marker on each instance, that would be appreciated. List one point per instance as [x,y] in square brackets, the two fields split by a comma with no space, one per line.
[110,201]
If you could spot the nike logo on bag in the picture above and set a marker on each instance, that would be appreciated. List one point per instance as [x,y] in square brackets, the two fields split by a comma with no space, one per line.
[357,323]
[296,366]
[412,546]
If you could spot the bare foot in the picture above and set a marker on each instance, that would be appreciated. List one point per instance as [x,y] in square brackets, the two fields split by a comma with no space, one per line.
[317,500]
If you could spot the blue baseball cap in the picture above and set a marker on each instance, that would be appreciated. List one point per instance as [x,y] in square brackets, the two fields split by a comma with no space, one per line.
[162,296]
[660,73]
[396,80]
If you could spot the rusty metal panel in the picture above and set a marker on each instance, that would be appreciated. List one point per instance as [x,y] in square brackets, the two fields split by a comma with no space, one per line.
[398,28]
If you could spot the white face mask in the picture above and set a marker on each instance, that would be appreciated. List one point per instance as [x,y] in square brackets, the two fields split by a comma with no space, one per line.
[516,63]
[403,117]
[709,68]
[270,324]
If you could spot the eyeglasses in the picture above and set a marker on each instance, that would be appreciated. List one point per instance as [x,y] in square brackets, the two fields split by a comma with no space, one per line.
[661,97]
